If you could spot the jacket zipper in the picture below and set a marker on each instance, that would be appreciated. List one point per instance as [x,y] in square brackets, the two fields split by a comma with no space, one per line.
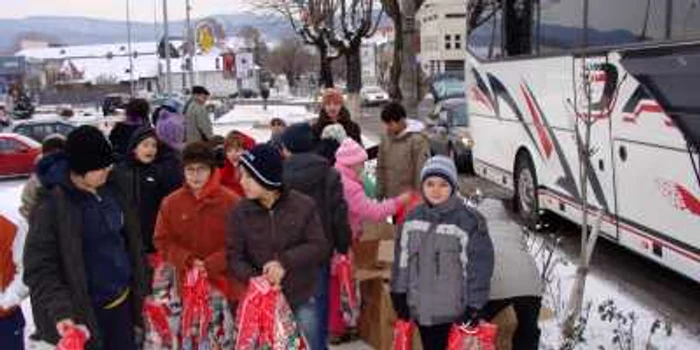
[274,232]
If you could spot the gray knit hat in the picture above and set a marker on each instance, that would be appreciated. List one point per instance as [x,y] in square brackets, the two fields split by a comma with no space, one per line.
[443,167]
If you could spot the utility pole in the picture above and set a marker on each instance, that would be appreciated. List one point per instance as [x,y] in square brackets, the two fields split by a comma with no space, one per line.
[190,44]
[166,45]
[131,53]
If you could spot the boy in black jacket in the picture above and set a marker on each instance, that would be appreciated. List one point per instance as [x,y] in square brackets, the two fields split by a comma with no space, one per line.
[83,261]
[311,174]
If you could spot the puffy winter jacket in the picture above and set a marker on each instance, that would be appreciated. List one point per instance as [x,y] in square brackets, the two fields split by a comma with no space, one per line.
[290,232]
[54,258]
[444,262]
[197,123]
[13,232]
[145,186]
[191,228]
[311,175]
[361,207]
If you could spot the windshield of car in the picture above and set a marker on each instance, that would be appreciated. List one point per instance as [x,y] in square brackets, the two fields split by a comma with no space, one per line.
[449,88]
[458,115]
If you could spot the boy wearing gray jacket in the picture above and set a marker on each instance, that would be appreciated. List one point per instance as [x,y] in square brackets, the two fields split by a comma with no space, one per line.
[444,258]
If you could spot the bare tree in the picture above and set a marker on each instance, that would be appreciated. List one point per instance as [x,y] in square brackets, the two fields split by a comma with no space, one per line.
[354,20]
[254,39]
[312,21]
[292,59]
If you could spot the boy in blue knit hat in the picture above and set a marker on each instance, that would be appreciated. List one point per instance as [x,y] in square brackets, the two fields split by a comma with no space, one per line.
[444,258]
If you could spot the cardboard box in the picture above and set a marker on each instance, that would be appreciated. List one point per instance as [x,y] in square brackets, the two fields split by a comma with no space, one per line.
[365,254]
[377,231]
[376,323]
[385,253]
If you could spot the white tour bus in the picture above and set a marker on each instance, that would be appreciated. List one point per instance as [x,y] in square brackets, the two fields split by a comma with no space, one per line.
[526,82]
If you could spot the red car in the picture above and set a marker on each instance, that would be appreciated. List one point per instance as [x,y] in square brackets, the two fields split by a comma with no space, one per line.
[17,154]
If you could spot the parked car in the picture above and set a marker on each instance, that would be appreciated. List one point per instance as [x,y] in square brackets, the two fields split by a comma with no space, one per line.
[18,154]
[112,102]
[38,129]
[373,95]
[448,131]
[446,86]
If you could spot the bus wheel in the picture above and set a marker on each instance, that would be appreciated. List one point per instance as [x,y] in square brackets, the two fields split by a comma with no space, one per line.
[525,198]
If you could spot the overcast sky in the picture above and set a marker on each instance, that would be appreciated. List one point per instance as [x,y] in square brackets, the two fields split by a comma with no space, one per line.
[141,10]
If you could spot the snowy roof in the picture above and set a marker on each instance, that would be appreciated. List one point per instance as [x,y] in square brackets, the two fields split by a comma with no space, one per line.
[84,51]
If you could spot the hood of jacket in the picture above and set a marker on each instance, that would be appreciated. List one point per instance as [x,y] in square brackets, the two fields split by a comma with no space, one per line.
[306,171]
[52,169]
[413,126]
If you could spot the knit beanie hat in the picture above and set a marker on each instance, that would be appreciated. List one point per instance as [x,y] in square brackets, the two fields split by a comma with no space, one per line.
[87,150]
[334,131]
[298,138]
[264,163]
[139,135]
[199,152]
[443,167]
[332,95]
[350,153]
[171,129]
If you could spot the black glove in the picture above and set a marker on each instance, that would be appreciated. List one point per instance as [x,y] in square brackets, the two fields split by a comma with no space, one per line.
[471,316]
[398,300]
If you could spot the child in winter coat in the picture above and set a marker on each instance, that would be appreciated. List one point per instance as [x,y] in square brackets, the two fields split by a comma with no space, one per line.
[235,144]
[13,231]
[190,230]
[276,232]
[138,177]
[350,160]
[444,258]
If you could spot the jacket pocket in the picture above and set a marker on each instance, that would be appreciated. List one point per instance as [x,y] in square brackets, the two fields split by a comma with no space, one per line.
[449,279]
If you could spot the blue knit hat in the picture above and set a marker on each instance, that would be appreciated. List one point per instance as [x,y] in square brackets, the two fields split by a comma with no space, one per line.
[264,163]
[443,167]
[298,138]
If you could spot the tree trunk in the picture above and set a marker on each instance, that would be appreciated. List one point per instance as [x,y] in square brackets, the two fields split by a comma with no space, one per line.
[409,76]
[326,72]
[395,74]
[354,76]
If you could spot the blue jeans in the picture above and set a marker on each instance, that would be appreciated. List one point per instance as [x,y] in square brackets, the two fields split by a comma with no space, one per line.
[313,314]
[322,288]
[12,331]
[308,321]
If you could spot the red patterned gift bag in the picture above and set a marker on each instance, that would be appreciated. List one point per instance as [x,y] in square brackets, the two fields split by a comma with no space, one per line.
[481,337]
[265,321]
[403,335]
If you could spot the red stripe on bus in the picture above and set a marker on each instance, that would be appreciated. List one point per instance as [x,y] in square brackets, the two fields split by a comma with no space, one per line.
[627,228]
[539,126]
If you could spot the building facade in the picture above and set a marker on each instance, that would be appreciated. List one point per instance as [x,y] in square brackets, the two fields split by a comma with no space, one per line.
[443,32]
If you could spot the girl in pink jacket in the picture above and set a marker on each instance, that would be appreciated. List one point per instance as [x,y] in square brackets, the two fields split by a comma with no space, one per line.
[350,160]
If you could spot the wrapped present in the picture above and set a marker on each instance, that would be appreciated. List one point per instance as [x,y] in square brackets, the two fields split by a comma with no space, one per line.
[265,321]
[341,267]
[481,337]
[73,339]
[403,335]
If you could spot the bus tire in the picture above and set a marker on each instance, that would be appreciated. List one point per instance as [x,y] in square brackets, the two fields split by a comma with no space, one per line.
[525,199]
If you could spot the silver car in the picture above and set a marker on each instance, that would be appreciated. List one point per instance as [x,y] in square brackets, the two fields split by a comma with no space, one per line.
[448,130]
